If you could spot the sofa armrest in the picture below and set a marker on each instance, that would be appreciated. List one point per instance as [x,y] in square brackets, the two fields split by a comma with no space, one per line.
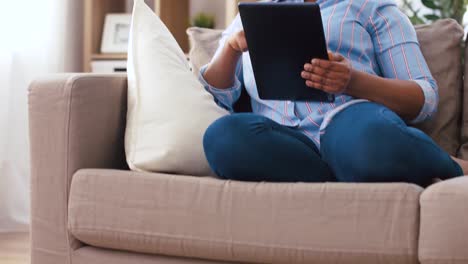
[76,121]
[444,223]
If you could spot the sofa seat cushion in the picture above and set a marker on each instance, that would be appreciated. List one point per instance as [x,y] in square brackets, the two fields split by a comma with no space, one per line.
[245,222]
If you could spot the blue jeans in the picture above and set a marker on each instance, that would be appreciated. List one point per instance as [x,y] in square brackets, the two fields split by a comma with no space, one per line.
[366,142]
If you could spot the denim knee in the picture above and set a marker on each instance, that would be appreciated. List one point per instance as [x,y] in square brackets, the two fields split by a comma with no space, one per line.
[228,131]
[249,147]
[370,143]
[215,141]
[226,139]
[373,160]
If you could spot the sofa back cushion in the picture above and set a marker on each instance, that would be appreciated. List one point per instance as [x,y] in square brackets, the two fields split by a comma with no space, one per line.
[204,43]
[440,44]
[464,133]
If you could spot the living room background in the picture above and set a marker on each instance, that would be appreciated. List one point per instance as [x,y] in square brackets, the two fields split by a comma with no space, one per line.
[41,39]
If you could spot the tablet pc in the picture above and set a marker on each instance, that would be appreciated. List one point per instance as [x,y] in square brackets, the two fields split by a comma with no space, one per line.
[282,37]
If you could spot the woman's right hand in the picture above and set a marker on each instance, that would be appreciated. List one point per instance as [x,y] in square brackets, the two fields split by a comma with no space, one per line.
[221,72]
[238,42]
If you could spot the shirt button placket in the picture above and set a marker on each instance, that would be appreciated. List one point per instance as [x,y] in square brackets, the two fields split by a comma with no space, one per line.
[292,114]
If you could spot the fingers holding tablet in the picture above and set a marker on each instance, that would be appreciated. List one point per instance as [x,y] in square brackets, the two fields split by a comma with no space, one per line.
[238,42]
[332,76]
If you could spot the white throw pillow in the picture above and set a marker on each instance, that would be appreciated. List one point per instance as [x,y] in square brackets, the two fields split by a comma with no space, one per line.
[168,108]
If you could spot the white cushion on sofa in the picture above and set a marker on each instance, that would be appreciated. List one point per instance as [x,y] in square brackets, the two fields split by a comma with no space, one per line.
[168,109]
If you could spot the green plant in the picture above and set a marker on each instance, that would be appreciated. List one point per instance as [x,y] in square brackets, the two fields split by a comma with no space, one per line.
[438,9]
[204,21]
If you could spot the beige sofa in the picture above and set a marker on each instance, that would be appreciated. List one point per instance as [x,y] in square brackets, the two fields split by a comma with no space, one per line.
[87,208]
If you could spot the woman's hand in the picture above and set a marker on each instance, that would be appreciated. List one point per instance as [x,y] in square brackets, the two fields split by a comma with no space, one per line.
[337,77]
[238,42]
[221,73]
[333,76]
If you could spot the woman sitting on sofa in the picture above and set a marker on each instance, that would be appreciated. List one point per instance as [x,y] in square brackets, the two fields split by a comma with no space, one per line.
[381,82]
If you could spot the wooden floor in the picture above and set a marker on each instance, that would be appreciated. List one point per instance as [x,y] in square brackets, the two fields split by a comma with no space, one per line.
[14,248]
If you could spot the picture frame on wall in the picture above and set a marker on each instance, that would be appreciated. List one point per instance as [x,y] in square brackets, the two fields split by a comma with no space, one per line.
[116,32]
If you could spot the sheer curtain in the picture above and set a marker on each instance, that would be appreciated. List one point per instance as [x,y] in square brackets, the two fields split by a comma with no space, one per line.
[37,38]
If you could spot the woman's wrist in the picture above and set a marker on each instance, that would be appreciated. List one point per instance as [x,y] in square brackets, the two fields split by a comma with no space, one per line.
[231,50]
[221,73]
[360,83]
[354,84]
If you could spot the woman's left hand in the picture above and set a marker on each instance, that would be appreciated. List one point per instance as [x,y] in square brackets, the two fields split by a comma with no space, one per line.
[332,76]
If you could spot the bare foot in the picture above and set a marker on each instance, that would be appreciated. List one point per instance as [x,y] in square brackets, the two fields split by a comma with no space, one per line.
[463,164]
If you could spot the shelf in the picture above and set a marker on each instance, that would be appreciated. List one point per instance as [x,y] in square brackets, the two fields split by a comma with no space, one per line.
[174,13]
[109,56]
